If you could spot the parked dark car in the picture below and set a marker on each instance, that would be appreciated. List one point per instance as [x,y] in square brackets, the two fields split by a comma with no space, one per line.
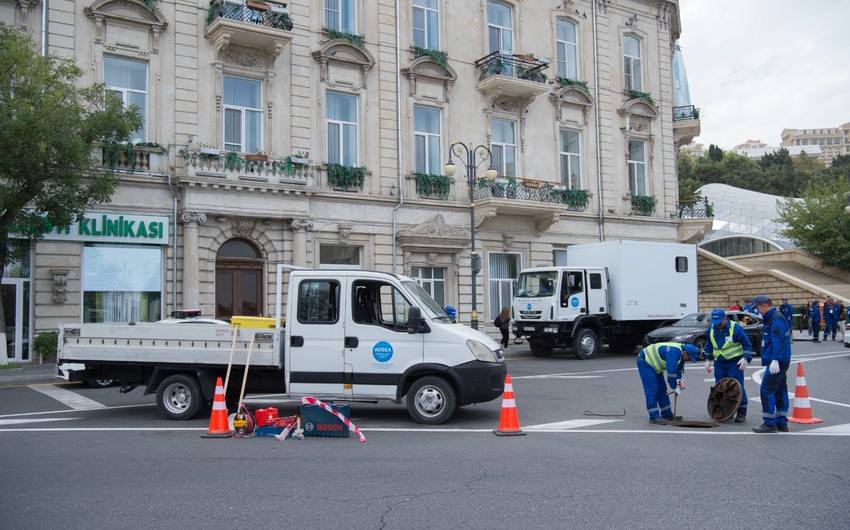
[693,329]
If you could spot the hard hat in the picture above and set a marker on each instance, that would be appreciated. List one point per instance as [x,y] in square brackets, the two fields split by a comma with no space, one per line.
[692,350]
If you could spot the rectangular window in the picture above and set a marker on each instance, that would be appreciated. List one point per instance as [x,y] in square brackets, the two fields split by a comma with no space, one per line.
[339,256]
[567,48]
[681,264]
[559,257]
[340,15]
[631,61]
[426,24]
[433,280]
[499,27]
[570,159]
[503,147]
[503,269]
[129,80]
[318,301]
[595,280]
[426,136]
[342,129]
[637,167]
[242,115]
[122,283]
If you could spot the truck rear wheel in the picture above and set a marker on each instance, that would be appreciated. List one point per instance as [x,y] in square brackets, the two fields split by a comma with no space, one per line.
[431,400]
[179,397]
[585,344]
[541,348]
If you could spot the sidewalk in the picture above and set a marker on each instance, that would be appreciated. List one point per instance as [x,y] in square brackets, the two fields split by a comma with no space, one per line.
[29,373]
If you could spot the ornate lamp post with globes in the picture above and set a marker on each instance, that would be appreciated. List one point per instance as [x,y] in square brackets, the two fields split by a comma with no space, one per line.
[475,157]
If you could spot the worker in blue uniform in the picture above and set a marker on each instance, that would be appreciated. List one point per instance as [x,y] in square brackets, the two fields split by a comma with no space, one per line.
[815,319]
[653,363]
[830,318]
[731,350]
[786,309]
[776,355]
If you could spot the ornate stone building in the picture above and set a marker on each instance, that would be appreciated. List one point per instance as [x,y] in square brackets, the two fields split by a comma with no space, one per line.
[316,134]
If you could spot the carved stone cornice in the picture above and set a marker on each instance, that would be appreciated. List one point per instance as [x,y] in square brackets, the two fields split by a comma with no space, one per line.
[433,237]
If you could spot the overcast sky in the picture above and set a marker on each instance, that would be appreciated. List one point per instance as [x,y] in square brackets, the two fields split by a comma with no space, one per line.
[756,67]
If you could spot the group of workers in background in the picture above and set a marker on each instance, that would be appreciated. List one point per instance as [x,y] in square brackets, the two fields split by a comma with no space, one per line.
[731,350]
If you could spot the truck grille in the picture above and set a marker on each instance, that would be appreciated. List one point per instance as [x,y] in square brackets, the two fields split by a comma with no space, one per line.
[530,315]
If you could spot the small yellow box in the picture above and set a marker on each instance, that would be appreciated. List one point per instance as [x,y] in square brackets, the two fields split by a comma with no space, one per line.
[254,322]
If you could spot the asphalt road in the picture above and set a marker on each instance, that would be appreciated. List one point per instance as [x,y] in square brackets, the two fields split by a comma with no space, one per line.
[89,458]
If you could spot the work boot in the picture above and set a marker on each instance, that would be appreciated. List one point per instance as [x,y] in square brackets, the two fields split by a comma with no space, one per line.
[658,421]
[740,418]
[782,428]
[673,418]
[761,429]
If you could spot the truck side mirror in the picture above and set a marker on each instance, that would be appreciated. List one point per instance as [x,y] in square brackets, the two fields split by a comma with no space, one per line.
[415,321]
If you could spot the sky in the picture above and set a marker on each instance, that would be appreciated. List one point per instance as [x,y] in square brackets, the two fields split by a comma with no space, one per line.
[756,67]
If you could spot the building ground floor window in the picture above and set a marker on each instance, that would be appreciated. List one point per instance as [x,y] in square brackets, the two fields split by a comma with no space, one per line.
[122,283]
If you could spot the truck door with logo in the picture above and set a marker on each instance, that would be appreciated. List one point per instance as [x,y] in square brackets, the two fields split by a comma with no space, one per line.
[573,296]
[378,348]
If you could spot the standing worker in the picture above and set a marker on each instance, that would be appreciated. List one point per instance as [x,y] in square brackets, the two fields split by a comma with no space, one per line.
[814,318]
[652,362]
[787,310]
[776,355]
[830,318]
[731,350]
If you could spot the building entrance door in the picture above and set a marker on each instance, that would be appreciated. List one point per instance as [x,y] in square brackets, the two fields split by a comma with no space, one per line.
[238,280]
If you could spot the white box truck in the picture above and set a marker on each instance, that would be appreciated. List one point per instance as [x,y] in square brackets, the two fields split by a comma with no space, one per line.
[350,335]
[613,291]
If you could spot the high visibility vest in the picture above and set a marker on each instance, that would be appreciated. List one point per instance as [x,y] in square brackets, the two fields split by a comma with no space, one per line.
[730,349]
[654,359]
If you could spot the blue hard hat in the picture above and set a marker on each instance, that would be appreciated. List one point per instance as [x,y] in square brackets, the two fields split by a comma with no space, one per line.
[692,350]
[717,316]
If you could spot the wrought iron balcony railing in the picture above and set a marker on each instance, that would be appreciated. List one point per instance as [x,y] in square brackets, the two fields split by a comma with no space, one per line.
[685,113]
[531,190]
[242,13]
[512,65]
[698,209]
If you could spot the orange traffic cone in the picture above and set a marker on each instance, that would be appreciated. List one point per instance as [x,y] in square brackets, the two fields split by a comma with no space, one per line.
[218,419]
[508,422]
[802,408]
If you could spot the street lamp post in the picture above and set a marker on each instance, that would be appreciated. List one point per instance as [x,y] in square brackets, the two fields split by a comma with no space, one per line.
[482,154]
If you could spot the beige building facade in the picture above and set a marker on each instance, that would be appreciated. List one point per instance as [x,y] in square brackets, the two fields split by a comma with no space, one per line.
[831,142]
[316,135]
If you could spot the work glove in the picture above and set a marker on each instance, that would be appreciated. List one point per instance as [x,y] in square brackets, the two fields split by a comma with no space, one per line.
[774,367]
[742,364]
[677,390]
[708,366]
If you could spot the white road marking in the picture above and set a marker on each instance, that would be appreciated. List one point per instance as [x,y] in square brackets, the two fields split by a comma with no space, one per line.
[571,424]
[558,376]
[24,420]
[71,399]
[833,429]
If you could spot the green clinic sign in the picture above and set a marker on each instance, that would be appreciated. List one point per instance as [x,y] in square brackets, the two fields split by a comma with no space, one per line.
[114,228]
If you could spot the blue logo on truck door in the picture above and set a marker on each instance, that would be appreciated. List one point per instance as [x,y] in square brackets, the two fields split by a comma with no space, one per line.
[382,351]
[574,301]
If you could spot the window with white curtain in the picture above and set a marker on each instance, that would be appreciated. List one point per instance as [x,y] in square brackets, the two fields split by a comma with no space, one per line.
[426,137]
[637,167]
[122,283]
[340,15]
[426,24]
[500,34]
[631,61]
[570,154]
[503,270]
[129,80]
[342,129]
[559,257]
[503,147]
[566,44]
[433,280]
[243,128]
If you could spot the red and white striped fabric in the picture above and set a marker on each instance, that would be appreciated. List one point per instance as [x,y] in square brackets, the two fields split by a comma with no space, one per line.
[309,400]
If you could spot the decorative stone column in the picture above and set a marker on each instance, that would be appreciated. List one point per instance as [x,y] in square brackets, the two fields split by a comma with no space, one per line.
[299,240]
[191,266]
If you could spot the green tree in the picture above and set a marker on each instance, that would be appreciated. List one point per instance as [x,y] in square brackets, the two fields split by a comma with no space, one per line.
[818,223]
[48,126]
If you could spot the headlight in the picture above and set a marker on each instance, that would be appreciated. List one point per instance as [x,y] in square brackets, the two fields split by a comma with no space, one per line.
[482,352]
[679,338]
[550,329]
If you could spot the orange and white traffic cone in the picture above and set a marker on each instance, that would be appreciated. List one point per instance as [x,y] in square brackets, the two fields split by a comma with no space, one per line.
[508,422]
[802,408]
[218,420]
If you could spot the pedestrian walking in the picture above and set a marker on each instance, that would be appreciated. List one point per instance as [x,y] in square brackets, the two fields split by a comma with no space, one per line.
[654,362]
[503,322]
[731,350]
[815,319]
[830,318]
[776,355]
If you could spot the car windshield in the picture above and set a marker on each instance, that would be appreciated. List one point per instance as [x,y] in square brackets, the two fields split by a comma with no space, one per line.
[693,320]
[430,308]
[535,283]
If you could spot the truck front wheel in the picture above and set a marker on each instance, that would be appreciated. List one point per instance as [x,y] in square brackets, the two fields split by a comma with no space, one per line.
[179,397]
[431,400]
[585,344]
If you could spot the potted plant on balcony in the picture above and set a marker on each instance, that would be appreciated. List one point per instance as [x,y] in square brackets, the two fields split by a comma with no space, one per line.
[643,204]
[346,177]
[257,5]
[277,7]
[260,156]
[300,157]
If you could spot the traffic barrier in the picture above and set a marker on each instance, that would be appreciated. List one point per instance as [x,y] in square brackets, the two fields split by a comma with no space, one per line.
[218,419]
[508,421]
[802,408]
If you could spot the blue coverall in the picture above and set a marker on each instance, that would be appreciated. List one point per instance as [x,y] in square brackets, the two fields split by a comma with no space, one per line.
[814,318]
[830,319]
[775,346]
[668,355]
[728,367]
[787,311]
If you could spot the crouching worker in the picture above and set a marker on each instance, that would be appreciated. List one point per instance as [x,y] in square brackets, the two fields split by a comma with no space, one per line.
[731,350]
[653,363]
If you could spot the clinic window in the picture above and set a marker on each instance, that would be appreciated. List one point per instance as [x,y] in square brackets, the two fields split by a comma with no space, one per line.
[342,129]
[426,24]
[500,34]
[426,138]
[632,63]
[570,159]
[340,15]
[122,283]
[637,167]
[567,48]
[242,115]
[503,147]
[128,79]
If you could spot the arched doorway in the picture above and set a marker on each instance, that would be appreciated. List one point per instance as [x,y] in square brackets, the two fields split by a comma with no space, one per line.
[238,280]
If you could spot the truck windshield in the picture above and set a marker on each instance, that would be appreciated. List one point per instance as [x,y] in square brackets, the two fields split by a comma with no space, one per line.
[430,308]
[535,283]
